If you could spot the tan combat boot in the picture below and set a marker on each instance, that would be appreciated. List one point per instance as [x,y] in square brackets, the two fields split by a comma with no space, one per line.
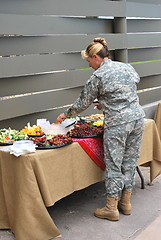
[110,211]
[125,202]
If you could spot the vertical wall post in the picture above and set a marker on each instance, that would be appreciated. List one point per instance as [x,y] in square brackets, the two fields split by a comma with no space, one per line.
[120,26]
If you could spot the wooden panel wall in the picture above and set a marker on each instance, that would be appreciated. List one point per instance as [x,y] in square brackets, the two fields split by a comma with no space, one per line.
[41,69]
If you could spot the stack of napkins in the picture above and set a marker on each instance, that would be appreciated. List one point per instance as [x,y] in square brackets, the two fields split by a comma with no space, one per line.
[20,147]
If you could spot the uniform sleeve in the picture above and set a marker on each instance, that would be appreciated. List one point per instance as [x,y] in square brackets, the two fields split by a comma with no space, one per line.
[86,98]
[135,74]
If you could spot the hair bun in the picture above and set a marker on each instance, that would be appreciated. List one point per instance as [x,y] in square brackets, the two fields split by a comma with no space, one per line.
[101,41]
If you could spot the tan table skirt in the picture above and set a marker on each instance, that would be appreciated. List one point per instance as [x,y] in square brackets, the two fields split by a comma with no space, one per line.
[150,154]
[157,118]
[32,182]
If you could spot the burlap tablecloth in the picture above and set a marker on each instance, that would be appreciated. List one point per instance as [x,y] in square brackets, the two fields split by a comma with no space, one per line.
[150,154]
[94,148]
[32,182]
[157,118]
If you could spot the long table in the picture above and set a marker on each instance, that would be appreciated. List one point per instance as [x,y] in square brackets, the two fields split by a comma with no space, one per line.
[150,155]
[32,182]
[157,118]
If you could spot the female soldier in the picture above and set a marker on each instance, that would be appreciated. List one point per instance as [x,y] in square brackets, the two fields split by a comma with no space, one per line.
[114,85]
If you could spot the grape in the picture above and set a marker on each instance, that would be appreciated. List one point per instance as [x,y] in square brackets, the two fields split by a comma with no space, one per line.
[85,129]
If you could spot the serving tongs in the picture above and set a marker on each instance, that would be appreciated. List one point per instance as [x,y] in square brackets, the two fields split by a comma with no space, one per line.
[69,125]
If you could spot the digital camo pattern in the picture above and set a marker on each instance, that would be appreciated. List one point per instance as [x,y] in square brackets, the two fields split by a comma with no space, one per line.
[114,85]
[121,153]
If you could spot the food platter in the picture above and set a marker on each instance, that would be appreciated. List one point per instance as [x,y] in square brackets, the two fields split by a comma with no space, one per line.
[8,136]
[33,131]
[85,130]
[53,146]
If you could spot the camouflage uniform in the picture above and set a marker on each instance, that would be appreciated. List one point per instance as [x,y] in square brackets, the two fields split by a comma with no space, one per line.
[114,85]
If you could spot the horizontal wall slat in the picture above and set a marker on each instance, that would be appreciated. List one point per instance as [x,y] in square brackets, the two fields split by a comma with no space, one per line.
[148,69]
[40,25]
[37,102]
[143,10]
[63,7]
[43,82]
[41,102]
[143,25]
[147,1]
[75,78]
[51,115]
[25,45]
[36,64]
[144,54]
[150,96]
[143,40]
[150,82]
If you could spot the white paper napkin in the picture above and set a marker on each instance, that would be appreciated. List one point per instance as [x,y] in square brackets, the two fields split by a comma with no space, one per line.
[22,147]
[19,151]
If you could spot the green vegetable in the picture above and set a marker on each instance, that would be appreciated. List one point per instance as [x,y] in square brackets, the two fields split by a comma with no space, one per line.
[11,135]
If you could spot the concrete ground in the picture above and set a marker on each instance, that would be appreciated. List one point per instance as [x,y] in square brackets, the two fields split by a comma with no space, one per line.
[74,214]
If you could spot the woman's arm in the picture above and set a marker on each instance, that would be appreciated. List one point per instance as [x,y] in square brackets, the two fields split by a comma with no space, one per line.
[86,98]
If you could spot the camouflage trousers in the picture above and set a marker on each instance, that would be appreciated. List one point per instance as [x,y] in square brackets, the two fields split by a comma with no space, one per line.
[122,145]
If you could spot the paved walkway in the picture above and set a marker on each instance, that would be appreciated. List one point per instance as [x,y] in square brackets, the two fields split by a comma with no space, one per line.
[153,231]
[74,215]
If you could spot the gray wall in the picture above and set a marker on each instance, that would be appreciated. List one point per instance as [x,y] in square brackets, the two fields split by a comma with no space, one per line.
[41,70]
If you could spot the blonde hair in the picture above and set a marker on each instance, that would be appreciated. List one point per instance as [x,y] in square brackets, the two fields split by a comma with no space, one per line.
[98,46]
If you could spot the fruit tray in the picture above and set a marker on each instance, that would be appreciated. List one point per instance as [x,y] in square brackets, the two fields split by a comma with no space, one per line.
[53,146]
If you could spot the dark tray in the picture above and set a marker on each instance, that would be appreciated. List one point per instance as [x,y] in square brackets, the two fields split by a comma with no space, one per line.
[5,144]
[53,147]
[91,136]
[35,135]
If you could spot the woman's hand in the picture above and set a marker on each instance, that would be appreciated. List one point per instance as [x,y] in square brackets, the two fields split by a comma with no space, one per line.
[97,105]
[60,118]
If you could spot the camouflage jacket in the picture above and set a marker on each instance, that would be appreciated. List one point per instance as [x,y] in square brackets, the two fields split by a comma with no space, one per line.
[114,85]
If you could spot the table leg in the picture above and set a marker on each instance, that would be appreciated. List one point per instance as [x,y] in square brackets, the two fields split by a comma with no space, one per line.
[141,177]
